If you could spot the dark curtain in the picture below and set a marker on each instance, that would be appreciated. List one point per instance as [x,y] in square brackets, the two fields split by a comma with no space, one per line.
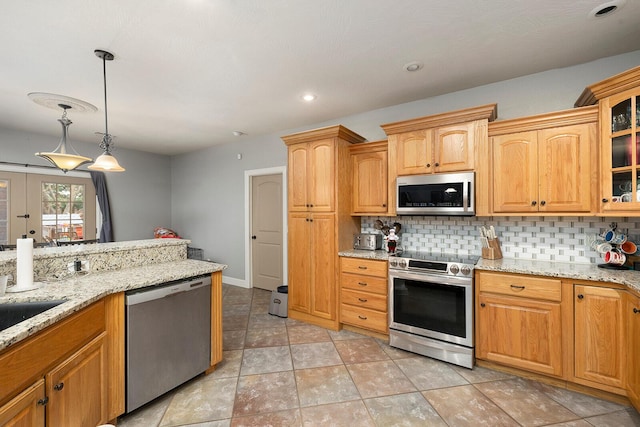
[100,183]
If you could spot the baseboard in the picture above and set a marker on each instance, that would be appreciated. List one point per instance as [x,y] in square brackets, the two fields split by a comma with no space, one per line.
[235,282]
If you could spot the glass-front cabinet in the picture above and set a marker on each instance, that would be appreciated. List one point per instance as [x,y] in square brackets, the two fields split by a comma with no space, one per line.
[620,131]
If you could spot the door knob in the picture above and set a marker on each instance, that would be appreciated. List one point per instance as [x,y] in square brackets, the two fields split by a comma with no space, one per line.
[253,237]
[32,231]
[24,216]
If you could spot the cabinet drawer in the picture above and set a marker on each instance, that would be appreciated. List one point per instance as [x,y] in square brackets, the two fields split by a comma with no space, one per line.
[364,299]
[520,285]
[365,267]
[364,318]
[364,283]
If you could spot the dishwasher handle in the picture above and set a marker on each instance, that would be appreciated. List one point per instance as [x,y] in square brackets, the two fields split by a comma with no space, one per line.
[152,293]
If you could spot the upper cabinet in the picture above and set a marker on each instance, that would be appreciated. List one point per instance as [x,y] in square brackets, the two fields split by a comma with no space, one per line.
[618,98]
[448,142]
[311,166]
[545,164]
[369,178]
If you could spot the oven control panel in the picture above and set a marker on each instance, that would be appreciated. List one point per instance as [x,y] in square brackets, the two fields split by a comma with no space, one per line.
[439,267]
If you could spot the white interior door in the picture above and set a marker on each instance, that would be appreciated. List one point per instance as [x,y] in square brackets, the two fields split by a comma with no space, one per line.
[266,231]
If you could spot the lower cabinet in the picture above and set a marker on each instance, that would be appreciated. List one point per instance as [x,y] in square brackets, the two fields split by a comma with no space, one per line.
[26,409]
[632,314]
[363,294]
[519,322]
[599,354]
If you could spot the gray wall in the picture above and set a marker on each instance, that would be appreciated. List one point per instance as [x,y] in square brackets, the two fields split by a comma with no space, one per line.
[208,185]
[140,197]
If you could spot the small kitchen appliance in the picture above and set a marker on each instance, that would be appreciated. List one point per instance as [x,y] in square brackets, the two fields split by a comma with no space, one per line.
[436,194]
[431,305]
[369,242]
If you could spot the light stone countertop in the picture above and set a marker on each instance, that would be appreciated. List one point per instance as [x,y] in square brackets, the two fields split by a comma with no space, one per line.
[358,253]
[84,290]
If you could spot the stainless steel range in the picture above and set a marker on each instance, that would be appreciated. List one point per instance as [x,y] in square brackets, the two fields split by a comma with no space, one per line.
[431,305]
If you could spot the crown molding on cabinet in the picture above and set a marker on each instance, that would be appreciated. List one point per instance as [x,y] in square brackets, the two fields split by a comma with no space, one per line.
[337,131]
[610,86]
[574,116]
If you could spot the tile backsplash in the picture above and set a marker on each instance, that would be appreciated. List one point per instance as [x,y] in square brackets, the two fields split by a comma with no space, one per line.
[536,238]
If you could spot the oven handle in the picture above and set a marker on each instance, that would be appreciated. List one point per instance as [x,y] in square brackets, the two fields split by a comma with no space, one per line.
[431,278]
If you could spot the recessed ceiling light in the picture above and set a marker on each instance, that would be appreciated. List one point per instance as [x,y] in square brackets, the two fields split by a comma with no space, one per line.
[238,133]
[309,97]
[413,66]
[606,9]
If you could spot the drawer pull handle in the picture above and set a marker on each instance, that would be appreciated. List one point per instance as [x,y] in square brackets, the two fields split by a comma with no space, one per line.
[362,317]
[362,267]
[58,386]
[517,287]
[362,283]
[365,300]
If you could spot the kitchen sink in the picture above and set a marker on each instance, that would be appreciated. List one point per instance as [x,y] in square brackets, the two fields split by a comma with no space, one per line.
[16,312]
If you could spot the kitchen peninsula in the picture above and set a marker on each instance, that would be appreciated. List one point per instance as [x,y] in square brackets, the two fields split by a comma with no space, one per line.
[86,331]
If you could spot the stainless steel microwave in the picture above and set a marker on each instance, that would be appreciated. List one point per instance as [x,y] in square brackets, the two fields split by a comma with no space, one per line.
[436,194]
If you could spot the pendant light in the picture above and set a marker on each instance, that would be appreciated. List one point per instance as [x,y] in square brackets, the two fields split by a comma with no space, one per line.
[64,157]
[106,161]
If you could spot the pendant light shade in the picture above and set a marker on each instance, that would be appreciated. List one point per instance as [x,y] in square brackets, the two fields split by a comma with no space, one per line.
[106,161]
[64,157]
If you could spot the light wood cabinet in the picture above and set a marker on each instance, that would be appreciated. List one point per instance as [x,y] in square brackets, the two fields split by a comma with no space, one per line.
[519,322]
[448,142]
[599,354]
[320,222]
[370,180]
[364,290]
[26,409]
[632,314]
[541,166]
[618,99]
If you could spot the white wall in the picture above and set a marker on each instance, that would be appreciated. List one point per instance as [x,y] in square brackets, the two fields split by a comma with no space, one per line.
[207,185]
[140,197]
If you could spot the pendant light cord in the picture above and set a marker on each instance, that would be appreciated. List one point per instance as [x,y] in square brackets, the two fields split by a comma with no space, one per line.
[104,74]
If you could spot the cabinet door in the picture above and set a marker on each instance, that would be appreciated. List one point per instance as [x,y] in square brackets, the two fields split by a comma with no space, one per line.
[632,312]
[369,182]
[414,152]
[297,178]
[515,172]
[520,332]
[321,172]
[564,156]
[299,262]
[599,331]
[24,410]
[455,148]
[323,264]
[77,388]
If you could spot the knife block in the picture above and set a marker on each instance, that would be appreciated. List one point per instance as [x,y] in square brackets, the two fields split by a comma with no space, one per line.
[493,251]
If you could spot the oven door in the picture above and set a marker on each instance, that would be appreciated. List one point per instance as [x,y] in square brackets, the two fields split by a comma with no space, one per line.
[432,305]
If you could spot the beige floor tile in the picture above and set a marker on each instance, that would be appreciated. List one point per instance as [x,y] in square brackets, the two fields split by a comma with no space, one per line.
[315,355]
[395,353]
[232,309]
[148,415]
[403,410]
[265,320]
[465,406]
[360,350]
[209,399]
[233,340]
[345,414]
[258,394]
[235,322]
[220,423]
[578,403]
[627,418]
[307,334]
[289,418]
[577,423]
[320,386]
[345,334]
[230,365]
[525,403]
[376,379]
[427,374]
[265,360]
[266,337]
[481,375]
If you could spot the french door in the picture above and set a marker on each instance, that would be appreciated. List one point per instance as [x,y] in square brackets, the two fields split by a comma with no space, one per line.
[46,208]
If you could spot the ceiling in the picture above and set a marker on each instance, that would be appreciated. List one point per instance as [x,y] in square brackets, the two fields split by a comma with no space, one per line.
[187,73]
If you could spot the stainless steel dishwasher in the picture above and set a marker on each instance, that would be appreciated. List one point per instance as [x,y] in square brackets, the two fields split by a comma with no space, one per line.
[168,337]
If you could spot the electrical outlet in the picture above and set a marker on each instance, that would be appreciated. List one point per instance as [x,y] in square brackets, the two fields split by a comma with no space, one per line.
[82,266]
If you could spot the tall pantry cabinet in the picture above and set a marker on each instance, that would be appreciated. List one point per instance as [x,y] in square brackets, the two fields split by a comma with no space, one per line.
[319,220]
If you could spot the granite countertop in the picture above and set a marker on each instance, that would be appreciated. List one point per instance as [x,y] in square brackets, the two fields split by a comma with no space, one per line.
[358,253]
[84,290]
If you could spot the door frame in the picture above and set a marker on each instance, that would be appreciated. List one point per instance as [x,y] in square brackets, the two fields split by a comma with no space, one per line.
[248,211]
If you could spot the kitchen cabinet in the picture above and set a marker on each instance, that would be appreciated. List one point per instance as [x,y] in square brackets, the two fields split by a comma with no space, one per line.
[519,321]
[320,222]
[545,164]
[632,314]
[448,142]
[618,99]
[599,324]
[370,181]
[363,294]
[26,409]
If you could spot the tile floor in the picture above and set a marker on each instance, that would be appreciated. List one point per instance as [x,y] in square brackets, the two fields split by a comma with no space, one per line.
[280,372]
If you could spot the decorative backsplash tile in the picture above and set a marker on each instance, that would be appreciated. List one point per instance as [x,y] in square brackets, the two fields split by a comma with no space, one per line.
[535,238]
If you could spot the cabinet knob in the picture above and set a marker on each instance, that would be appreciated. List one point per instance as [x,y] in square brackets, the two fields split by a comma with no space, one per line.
[428,165]
[43,402]
[58,386]
[384,205]
[542,202]
[580,296]
[605,200]
[482,304]
[635,310]
[534,203]
[437,164]
[311,205]
[310,219]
